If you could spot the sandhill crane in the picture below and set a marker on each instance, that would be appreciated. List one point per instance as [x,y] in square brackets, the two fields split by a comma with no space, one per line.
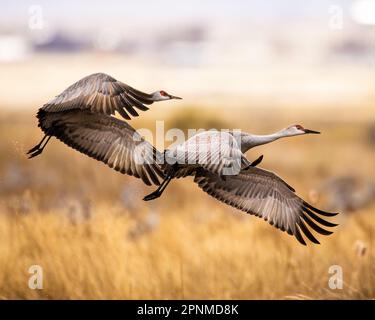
[98,93]
[217,162]
[81,118]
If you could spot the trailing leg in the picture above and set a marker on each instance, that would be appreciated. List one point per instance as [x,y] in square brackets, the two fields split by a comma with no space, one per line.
[254,163]
[38,149]
[158,192]
[257,161]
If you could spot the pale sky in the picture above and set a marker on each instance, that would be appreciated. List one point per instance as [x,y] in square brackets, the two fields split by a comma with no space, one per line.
[85,15]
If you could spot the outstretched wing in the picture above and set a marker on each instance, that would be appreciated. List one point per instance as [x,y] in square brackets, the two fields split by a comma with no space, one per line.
[100,93]
[106,139]
[265,195]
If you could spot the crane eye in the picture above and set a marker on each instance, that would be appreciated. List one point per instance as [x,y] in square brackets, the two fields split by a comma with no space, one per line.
[299,127]
[163,93]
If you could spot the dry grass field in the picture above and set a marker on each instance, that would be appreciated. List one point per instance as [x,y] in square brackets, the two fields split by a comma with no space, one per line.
[94,237]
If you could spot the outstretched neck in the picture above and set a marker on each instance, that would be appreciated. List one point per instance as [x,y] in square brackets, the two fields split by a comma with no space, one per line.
[249,141]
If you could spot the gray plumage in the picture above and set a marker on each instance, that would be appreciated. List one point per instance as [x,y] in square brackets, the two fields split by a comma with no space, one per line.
[265,195]
[101,93]
[106,139]
[253,190]
[81,117]
[217,152]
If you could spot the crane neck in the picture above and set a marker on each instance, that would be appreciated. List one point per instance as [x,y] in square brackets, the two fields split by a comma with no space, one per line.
[249,141]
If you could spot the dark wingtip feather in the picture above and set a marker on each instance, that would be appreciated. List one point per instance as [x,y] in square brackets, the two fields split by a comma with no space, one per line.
[323,213]
[122,112]
[319,219]
[137,103]
[307,233]
[299,237]
[314,226]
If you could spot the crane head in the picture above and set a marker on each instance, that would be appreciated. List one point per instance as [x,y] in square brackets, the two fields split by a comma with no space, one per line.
[162,95]
[297,129]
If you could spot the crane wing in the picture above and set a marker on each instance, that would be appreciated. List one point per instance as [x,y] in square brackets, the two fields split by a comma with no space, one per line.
[265,195]
[100,93]
[215,151]
[106,139]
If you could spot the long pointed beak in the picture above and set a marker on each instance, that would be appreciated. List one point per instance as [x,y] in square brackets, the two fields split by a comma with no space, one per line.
[174,97]
[311,131]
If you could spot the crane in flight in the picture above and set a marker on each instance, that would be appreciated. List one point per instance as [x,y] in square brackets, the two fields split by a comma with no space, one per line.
[98,94]
[81,117]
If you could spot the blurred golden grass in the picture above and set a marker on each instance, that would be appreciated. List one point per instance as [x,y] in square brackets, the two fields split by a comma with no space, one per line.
[218,256]
[184,245]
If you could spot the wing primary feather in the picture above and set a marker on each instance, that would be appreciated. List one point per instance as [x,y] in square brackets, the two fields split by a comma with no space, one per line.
[319,219]
[323,213]
[137,103]
[128,106]
[141,96]
[123,113]
[307,232]
[314,226]
[298,236]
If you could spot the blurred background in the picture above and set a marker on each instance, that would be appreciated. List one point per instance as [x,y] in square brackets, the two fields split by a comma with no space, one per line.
[254,65]
[280,53]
